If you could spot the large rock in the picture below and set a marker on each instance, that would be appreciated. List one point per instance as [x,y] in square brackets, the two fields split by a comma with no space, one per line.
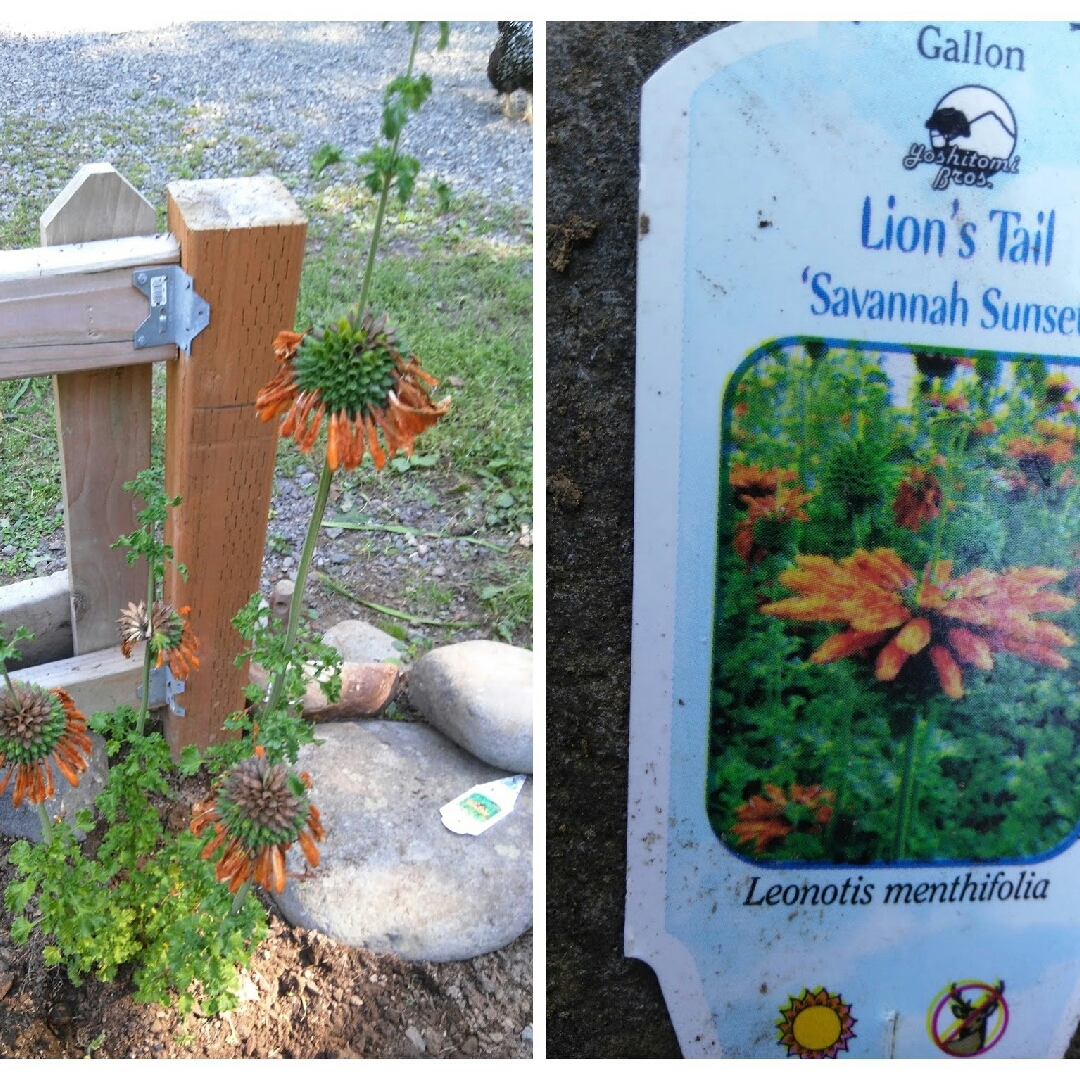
[479,693]
[392,878]
[362,643]
[66,802]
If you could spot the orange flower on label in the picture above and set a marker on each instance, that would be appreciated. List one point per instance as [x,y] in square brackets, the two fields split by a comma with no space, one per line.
[956,621]
[755,481]
[1039,454]
[784,506]
[766,818]
[918,499]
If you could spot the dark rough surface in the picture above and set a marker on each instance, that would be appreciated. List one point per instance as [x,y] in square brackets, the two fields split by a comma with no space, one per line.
[599,1003]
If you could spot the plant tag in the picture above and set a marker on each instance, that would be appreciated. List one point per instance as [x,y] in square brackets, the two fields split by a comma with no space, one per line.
[855,714]
[482,806]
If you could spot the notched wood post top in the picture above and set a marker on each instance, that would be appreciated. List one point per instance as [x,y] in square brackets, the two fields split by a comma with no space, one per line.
[240,203]
[97,203]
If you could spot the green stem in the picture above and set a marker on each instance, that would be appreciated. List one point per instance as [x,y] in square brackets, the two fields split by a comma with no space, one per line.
[906,784]
[301,580]
[237,904]
[239,898]
[10,684]
[333,586]
[947,489]
[918,739]
[144,703]
[384,195]
[46,824]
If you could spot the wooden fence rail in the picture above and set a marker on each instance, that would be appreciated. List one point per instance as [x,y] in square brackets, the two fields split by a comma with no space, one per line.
[70,309]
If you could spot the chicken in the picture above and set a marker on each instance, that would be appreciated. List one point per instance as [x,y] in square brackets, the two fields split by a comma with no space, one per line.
[510,63]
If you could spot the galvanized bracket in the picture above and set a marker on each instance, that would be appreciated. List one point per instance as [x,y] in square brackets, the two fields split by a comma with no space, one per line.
[164,689]
[177,312]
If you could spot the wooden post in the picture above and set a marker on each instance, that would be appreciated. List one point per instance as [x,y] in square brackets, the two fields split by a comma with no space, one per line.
[242,241]
[102,423]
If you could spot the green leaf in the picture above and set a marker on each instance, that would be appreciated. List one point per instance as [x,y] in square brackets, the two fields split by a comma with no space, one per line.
[84,819]
[190,761]
[18,894]
[326,155]
[20,930]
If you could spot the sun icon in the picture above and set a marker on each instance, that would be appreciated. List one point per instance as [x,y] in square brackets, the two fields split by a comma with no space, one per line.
[816,1024]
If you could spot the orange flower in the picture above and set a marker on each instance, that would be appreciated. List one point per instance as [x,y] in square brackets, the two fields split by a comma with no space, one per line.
[259,812]
[167,631]
[1058,430]
[953,401]
[36,728]
[1038,454]
[353,373]
[784,506]
[957,621]
[769,817]
[918,500]
[755,481]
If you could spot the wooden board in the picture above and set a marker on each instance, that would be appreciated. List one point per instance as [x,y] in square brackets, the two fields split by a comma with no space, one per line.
[74,307]
[43,607]
[68,260]
[243,243]
[102,423]
[97,681]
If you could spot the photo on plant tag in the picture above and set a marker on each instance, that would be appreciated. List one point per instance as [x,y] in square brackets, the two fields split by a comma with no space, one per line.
[895,649]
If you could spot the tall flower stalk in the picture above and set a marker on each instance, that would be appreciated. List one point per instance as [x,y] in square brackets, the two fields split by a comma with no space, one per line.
[353,371]
[165,630]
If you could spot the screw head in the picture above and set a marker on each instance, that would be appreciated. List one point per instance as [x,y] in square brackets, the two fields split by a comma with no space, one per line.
[141,278]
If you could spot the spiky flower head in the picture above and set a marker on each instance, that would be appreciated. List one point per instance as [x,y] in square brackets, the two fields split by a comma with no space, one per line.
[259,812]
[857,475]
[167,631]
[38,728]
[352,371]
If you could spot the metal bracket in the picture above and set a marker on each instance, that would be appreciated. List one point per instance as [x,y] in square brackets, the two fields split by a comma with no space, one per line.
[177,312]
[164,690]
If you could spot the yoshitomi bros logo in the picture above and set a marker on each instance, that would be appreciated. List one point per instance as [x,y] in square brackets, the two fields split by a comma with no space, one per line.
[971,137]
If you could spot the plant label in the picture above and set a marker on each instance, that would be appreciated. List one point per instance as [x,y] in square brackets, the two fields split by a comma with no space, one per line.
[855,705]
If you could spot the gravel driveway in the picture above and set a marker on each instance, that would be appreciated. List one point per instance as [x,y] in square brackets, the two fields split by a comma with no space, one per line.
[224,99]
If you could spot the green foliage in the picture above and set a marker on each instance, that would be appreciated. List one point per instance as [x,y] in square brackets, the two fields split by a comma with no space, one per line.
[326,155]
[909,772]
[147,542]
[280,731]
[9,650]
[144,898]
